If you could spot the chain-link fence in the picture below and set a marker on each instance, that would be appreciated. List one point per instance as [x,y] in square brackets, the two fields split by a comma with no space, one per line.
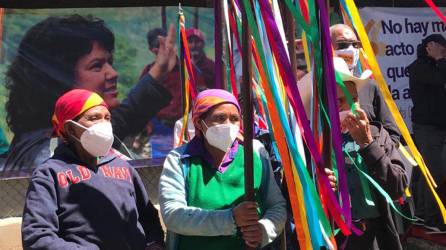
[13,191]
[151,178]
[12,197]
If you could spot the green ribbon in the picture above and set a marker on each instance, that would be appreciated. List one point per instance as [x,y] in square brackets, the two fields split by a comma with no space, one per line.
[358,163]
[380,190]
[228,70]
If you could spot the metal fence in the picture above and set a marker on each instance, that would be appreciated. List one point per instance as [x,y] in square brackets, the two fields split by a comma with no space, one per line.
[13,191]
[12,197]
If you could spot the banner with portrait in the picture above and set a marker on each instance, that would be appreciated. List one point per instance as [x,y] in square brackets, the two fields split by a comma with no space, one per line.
[45,52]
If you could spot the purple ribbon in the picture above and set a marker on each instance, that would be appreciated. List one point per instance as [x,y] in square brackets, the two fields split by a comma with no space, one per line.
[218,46]
[333,108]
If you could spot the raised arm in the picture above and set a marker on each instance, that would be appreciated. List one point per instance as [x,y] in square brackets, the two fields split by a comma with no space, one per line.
[149,95]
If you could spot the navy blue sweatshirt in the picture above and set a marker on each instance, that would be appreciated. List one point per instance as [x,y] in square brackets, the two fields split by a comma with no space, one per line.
[72,206]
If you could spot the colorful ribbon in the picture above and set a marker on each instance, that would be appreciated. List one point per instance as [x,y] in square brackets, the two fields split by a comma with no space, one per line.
[436,10]
[357,23]
[189,81]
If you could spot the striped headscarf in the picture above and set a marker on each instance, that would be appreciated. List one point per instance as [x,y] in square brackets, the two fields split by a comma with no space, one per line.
[72,104]
[210,98]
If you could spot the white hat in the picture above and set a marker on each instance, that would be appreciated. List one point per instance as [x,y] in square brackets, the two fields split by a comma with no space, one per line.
[341,68]
[305,85]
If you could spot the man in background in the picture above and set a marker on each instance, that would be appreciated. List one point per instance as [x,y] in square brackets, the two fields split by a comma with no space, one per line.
[204,68]
[427,83]
[347,46]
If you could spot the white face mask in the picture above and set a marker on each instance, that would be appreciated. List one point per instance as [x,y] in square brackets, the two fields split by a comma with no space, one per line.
[222,136]
[350,55]
[97,140]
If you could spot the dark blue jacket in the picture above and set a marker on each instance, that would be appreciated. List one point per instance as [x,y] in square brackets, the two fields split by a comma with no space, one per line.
[72,206]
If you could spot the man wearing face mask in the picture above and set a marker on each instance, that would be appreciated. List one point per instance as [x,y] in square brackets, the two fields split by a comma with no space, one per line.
[368,145]
[347,46]
[85,196]
[202,184]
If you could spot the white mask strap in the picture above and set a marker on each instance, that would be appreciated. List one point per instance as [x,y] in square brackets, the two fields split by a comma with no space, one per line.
[76,124]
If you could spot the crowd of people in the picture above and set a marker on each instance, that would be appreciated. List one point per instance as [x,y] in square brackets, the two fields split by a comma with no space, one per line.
[68,124]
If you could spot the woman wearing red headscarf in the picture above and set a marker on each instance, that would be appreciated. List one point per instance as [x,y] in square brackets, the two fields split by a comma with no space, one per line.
[202,184]
[85,197]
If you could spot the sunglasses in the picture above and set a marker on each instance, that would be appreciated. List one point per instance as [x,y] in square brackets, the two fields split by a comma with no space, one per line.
[346,44]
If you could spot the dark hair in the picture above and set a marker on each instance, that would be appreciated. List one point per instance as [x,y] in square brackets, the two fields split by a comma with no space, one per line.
[43,68]
[422,55]
[152,37]
[421,51]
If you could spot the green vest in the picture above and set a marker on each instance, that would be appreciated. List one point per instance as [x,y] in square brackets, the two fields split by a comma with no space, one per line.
[208,188]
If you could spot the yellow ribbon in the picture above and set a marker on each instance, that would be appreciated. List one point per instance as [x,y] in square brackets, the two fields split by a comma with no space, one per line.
[406,155]
[300,202]
[391,104]
[306,52]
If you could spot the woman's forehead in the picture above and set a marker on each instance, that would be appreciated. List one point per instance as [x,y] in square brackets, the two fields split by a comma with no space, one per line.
[223,109]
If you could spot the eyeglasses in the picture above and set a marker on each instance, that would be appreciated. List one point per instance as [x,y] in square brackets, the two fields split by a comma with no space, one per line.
[343,44]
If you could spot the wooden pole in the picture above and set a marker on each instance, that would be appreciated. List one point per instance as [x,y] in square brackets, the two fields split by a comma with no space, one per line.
[247,107]
[327,2]
[224,56]
[290,26]
[196,17]
[326,131]
[218,44]
[163,18]
[290,35]
[2,30]
[182,77]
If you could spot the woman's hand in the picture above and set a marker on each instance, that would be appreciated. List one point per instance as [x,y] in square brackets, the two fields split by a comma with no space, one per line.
[252,234]
[167,55]
[245,214]
[247,219]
